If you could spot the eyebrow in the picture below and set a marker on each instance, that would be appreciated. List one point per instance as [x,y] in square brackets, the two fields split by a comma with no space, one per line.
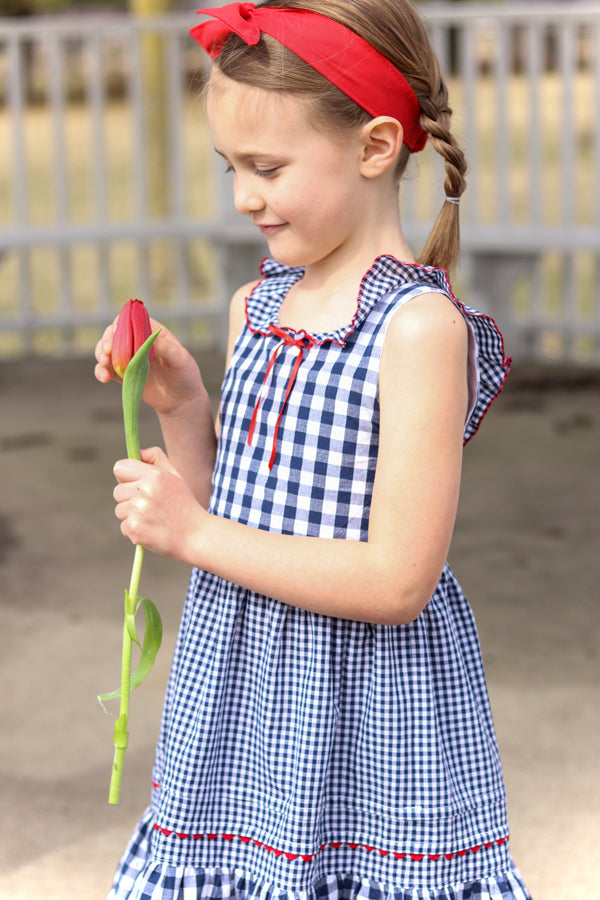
[247,156]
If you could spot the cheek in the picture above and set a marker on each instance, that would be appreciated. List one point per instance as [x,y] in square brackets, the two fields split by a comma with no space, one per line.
[293,203]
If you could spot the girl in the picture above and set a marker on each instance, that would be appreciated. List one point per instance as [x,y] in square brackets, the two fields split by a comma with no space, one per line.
[326,731]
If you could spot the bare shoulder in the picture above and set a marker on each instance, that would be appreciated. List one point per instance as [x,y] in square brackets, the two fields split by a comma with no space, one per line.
[426,342]
[237,307]
[428,317]
[237,314]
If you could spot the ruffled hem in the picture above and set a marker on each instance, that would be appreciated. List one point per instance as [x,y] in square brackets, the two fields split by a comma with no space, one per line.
[160,882]
[140,877]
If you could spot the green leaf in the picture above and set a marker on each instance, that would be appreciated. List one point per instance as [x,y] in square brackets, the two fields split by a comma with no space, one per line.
[134,382]
[152,640]
[130,613]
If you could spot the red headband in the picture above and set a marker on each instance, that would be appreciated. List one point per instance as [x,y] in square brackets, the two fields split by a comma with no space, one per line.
[345,59]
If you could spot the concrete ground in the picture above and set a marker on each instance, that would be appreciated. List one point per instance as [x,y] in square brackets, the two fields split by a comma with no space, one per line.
[526,550]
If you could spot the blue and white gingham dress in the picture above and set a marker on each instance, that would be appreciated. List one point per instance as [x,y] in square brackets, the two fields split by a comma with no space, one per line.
[301,756]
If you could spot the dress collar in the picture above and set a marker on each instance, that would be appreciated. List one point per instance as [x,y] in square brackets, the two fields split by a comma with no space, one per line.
[385,275]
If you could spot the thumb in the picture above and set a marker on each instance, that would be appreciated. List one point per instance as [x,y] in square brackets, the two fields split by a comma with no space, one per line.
[155,456]
[166,345]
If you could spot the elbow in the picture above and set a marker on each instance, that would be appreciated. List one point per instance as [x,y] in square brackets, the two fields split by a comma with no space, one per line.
[404,609]
[402,602]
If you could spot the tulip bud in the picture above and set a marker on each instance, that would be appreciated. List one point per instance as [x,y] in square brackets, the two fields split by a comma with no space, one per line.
[132,329]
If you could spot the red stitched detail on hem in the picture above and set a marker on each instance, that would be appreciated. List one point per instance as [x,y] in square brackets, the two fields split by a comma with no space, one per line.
[335,845]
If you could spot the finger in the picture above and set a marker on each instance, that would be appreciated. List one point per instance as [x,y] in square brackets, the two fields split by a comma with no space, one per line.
[129,528]
[155,456]
[124,491]
[127,470]
[104,345]
[121,511]
[104,372]
[166,346]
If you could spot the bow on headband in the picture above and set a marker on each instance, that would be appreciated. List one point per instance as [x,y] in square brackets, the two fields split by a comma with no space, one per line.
[343,57]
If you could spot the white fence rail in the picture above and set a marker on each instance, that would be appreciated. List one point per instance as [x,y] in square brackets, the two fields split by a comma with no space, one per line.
[94,209]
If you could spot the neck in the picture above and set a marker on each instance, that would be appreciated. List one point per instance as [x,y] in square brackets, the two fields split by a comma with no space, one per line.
[380,234]
[325,297]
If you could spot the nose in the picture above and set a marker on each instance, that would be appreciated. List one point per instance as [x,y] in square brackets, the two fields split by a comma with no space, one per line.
[246,196]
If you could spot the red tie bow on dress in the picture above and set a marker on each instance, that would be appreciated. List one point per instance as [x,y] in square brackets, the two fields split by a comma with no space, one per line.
[339,54]
[303,342]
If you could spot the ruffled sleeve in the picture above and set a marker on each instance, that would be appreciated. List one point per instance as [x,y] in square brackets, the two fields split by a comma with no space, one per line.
[488,365]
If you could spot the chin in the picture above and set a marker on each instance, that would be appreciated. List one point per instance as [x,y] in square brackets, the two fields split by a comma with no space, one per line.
[295,257]
[288,259]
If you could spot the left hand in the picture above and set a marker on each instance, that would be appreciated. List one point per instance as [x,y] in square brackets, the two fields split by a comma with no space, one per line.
[156,507]
[174,381]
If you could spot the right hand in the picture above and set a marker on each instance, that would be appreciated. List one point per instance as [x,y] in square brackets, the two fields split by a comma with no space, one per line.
[174,378]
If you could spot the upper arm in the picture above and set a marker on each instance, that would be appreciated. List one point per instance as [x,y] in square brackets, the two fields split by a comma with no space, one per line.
[237,318]
[237,315]
[423,404]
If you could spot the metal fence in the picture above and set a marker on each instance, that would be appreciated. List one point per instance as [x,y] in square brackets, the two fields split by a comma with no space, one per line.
[109,187]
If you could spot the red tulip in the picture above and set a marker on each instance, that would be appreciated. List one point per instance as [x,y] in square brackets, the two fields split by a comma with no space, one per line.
[132,329]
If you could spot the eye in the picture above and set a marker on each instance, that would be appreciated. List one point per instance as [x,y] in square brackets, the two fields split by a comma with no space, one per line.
[267,173]
[228,169]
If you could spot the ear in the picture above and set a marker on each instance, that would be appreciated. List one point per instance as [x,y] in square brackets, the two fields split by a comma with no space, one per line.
[381,140]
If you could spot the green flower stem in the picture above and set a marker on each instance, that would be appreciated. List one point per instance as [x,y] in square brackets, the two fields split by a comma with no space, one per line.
[136,570]
[136,375]
[121,735]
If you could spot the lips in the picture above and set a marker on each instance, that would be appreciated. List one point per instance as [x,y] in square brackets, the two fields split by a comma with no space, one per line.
[270,229]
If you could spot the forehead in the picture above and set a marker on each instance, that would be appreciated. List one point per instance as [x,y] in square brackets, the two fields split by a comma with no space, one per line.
[236,109]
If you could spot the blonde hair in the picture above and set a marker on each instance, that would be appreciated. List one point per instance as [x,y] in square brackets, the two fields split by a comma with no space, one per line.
[395,29]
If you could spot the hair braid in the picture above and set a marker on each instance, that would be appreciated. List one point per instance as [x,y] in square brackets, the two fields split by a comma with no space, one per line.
[435,120]
[442,246]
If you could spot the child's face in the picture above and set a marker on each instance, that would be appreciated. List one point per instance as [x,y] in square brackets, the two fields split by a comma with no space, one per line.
[301,186]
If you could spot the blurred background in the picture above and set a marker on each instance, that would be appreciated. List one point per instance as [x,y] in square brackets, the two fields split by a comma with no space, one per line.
[110,189]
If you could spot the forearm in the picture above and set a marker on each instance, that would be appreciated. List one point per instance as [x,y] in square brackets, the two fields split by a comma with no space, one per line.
[190,441]
[387,579]
[363,581]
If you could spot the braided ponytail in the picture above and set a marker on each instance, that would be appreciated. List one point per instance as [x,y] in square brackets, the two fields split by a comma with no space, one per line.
[443,243]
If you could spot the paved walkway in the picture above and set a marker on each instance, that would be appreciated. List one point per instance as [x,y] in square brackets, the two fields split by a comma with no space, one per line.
[526,550]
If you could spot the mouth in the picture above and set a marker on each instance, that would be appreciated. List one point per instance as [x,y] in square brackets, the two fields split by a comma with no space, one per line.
[268,230]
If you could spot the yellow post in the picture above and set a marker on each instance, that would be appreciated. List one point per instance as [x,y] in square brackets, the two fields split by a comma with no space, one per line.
[154,89]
